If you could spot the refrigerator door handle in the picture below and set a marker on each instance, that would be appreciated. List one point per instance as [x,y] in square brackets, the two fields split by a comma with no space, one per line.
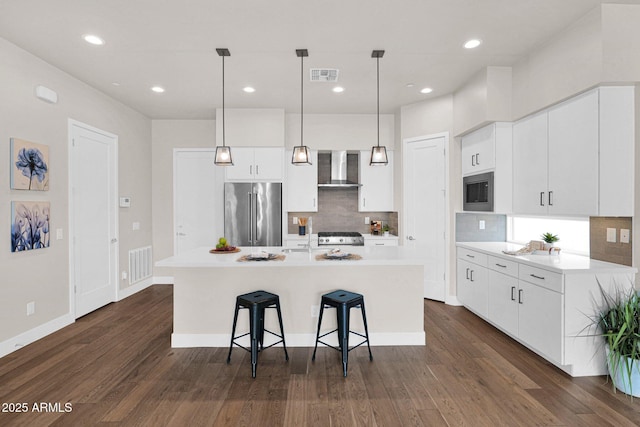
[250,218]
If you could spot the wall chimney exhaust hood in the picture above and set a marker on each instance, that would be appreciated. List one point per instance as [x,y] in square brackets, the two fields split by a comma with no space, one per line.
[338,172]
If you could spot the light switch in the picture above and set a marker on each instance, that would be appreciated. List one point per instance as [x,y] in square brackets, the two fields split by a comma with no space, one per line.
[611,235]
[59,235]
[624,235]
[295,220]
[481,224]
[367,220]
[136,226]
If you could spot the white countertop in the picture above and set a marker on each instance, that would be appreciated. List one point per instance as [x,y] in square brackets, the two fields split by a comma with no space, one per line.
[563,263]
[371,255]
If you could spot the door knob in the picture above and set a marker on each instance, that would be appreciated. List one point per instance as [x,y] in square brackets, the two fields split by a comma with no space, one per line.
[180,234]
[411,238]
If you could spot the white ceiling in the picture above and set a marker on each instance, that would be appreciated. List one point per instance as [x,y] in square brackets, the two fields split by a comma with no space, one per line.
[172,43]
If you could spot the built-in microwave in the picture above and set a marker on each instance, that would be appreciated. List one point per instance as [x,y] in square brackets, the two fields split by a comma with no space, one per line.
[478,192]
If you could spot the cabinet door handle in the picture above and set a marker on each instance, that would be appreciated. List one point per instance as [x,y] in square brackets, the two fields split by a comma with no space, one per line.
[473,160]
[477,159]
[314,202]
[250,169]
[536,277]
[550,198]
[472,275]
[513,297]
[501,266]
[542,198]
[520,301]
[364,202]
[467,274]
[257,169]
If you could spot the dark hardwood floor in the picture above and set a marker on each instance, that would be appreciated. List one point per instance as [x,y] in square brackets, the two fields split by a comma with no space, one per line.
[116,367]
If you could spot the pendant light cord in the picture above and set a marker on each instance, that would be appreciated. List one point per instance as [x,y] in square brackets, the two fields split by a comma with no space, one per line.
[378,86]
[223,135]
[301,99]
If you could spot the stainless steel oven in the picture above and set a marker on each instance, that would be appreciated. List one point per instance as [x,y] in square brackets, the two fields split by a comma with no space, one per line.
[477,192]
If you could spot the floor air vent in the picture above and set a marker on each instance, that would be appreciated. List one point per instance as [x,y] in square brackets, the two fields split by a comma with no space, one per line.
[324,74]
[139,264]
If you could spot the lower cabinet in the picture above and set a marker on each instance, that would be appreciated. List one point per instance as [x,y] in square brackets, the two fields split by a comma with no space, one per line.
[472,281]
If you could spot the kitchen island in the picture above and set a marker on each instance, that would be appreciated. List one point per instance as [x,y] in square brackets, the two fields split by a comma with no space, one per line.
[206,285]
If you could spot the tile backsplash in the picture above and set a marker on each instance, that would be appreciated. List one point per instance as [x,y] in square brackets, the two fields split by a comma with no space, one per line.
[468,227]
[616,252]
[338,211]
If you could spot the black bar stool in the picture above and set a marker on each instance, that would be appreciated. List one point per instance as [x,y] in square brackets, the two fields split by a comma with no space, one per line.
[343,301]
[257,302]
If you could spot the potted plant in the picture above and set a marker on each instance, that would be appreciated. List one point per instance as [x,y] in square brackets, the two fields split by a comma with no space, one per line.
[385,229]
[618,322]
[549,239]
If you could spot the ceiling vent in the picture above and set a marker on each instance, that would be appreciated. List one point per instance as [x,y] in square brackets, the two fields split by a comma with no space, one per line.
[324,75]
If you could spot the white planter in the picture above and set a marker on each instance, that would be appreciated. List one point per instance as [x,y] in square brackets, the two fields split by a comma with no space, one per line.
[621,378]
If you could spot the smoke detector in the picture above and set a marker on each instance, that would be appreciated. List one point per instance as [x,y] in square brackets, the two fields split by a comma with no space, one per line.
[324,75]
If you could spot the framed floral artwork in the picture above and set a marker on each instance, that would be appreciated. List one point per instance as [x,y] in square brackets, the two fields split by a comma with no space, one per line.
[29,226]
[29,165]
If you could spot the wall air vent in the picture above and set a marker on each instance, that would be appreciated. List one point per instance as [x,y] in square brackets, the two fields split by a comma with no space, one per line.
[324,75]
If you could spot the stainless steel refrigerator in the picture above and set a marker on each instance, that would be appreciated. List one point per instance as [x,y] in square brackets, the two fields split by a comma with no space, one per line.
[253,213]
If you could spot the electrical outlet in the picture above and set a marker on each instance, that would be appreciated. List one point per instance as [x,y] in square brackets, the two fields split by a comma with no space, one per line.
[367,220]
[624,235]
[31,308]
[481,224]
[124,275]
[315,310]
[295,220]
[136,226]
[59,235]
[611,235]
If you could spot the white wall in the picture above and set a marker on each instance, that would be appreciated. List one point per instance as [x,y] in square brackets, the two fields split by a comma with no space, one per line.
[42,275]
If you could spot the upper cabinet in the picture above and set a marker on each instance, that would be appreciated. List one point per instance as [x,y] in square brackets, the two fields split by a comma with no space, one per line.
[489,149]
[478,151]
[376,192]
[255,164]
[577,157]
[302,184]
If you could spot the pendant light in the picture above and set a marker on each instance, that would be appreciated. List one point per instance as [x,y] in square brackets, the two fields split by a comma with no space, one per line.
[223,154]
[301,154]
[378,153]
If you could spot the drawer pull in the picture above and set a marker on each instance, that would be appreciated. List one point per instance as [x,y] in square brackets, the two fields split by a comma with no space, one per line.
[470,256]
[536,277]
[502,266]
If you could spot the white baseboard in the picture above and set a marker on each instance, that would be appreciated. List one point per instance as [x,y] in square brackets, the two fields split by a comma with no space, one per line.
[163,280]
[135,288]
[32,335]
[295,340]
[452,300]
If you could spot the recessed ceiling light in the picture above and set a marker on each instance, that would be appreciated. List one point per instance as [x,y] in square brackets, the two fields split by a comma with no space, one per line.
[93,39]
[249,89]
[472,44]
[426,90]
[410,85]
[338,89]
[157,89]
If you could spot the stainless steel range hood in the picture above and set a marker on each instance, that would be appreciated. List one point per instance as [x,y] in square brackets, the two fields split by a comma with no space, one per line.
[338,172]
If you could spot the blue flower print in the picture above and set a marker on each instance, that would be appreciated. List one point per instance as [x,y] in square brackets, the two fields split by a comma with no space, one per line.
[31,163]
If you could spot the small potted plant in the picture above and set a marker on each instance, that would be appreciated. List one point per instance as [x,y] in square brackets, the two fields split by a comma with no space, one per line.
[618,322]
[385,229]
[549,240]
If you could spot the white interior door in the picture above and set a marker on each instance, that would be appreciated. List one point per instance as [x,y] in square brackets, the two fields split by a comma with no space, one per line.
[197,218]
[425,209]
[93,219]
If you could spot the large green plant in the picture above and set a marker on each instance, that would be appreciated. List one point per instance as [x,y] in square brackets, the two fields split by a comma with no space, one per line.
[619,323]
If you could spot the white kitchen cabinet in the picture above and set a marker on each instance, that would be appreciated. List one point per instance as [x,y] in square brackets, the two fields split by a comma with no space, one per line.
[376,192]
[489,149]
[255,164]
[478,151]
[370,240]
[577,158]
[540,319]
[302,184]
[473,281]
[573,157]
[503,294]
[530,165]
